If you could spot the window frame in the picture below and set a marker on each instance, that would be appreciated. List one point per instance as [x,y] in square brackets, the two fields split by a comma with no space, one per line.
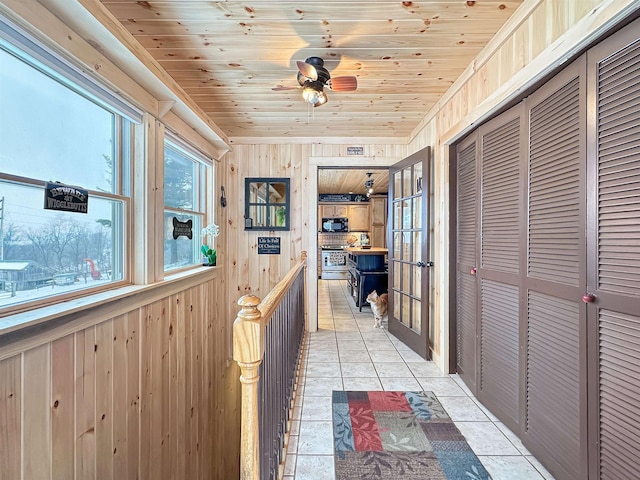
[43,60]
[202,206]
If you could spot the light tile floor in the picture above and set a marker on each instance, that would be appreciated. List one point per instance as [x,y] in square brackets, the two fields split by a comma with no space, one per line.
[347,353]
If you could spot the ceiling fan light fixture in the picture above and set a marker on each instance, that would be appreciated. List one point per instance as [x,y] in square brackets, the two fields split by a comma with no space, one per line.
[313,94]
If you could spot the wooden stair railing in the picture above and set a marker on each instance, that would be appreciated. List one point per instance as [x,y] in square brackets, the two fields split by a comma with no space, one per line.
[248,351]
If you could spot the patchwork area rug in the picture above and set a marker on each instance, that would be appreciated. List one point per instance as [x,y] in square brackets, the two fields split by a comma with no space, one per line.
[399,435]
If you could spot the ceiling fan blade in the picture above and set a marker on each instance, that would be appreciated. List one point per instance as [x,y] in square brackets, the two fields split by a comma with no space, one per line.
[343,84]
[283,87]
[307,70]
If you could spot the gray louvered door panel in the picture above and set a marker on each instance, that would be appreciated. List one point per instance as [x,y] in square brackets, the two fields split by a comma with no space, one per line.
[553,426]
[555,401]
[555,193]
[619,173]
[619,395]
[499,344]
[466,294]
[501,232]
[614,279]
[501,197]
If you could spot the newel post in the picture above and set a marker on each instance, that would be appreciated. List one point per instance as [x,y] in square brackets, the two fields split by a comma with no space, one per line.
[248,351]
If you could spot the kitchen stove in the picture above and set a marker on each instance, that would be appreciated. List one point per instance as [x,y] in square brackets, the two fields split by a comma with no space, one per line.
[334,262]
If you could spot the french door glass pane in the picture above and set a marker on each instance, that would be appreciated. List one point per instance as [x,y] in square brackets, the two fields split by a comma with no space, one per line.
[406,276]
[397,244]
[396,278]
[406,214]
[417,175]
[397,214]
[396,304]
[406,305]
[406,182]
[416,312]
[417,247]
[397,185]
[417,212]
[417,281]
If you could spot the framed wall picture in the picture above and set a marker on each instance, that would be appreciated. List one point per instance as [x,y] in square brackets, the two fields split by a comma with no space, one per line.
[266,203]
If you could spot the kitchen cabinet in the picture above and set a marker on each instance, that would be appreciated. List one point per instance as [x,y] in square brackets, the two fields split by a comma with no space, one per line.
[378,227]
[328,211]
[331,211]
[359,218]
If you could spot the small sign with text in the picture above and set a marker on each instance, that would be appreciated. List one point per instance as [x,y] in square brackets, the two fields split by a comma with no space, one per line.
[268,245]
[65,198]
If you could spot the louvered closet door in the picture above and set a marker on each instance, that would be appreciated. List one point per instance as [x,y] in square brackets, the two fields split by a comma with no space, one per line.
[498,273]
[554,410]
[466,263]
[614,252]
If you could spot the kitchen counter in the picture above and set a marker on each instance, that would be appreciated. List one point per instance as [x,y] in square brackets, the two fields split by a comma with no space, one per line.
[367,251]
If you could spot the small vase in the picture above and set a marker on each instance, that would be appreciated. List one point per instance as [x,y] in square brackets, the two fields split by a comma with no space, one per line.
[207,263]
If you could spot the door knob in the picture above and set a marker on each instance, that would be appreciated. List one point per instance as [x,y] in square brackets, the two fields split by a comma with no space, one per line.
[473,271]
[421,264]
[588,298]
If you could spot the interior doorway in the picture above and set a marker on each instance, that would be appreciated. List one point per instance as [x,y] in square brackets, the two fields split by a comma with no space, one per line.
[310,206]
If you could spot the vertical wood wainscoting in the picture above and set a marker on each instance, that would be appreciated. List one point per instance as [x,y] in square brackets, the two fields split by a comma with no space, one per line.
[144,395]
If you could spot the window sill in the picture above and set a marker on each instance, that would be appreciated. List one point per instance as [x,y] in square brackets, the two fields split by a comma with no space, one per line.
[98,307]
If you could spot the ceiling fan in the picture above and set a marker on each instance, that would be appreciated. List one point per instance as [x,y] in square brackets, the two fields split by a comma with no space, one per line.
[313,77]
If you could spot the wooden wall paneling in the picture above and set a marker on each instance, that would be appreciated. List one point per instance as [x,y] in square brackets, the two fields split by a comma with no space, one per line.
[120,398]
[216,362]
[538,40]
[145,388]
[62,407]
[85,405]
[182,411]
[175,414]
[279,156]
[151,349]
[166,455]
[186,393]
[556,13]
[10,415]
[300,153]
[207,381]
[196,387]
[36,445]
[133,376]
[104,400]
[520,47]
[110,401]
[216,385]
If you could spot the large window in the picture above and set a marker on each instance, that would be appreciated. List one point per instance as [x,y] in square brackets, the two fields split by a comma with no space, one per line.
[185,181]
[57,127]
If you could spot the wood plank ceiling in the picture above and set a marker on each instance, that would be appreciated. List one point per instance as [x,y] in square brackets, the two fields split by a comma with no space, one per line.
[229,55]
[332,180]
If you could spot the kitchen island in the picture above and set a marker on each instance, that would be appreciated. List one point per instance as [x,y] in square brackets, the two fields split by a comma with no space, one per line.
[367,272]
